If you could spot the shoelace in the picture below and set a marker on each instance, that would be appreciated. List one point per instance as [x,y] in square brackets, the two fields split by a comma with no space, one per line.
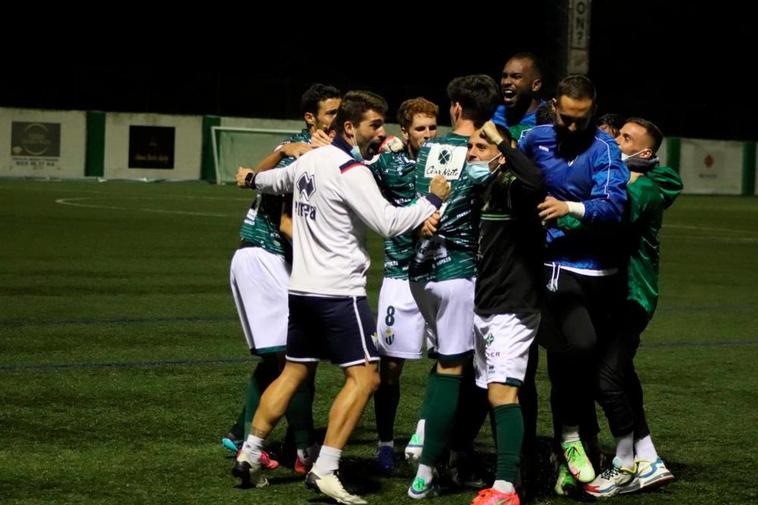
[339,485]
[554,275]
[486,493]
[610,472]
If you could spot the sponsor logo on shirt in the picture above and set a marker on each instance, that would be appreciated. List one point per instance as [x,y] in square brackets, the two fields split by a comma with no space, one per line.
[306,185]
[446,160]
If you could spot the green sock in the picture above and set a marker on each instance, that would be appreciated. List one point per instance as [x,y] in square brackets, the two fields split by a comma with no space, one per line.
[509,434]
[238,428]
[300,416]
[425,408]
[473,408]
[442,392]
[263,375]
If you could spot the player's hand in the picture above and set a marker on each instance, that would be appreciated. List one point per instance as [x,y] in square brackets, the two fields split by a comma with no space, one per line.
[439,186]
[490,133]
[295,149]
[242,175]
[391,144]
[320,139]
[551,208]
[429,227]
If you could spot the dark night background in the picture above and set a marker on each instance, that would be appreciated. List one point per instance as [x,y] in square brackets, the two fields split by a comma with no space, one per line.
[682,66]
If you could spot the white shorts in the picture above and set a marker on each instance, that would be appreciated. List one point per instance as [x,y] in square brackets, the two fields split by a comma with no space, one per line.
[400,326]
[448,309]
[259,284]
[502,347]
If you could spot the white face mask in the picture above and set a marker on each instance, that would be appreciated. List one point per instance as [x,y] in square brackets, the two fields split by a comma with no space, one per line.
[625,157]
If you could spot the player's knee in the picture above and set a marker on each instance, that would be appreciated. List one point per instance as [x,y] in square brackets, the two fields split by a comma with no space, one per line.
[583,347]
[372,382]
[364,378]
[501,394]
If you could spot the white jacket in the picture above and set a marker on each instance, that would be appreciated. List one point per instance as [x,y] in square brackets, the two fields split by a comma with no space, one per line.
[334,198]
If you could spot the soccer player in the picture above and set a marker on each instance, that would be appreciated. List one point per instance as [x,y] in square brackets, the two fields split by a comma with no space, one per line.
[335,199]
[585,178]
[652,188]
[520,85]
[443,268]
[508,294]
[259,274]
[400,325]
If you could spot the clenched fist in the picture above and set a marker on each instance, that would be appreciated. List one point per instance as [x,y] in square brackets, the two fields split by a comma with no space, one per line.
[241,176]
[439,186]
[490,133]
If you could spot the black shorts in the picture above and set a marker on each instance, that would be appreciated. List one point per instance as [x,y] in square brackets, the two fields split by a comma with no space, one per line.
[339,329]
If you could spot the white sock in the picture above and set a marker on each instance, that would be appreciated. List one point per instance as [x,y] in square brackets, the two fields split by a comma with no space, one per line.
[503,486]
[420,428]
[425,472]
[645,450]
[625,450]
[328,460]
[391,443]
[253,445]
[570,434]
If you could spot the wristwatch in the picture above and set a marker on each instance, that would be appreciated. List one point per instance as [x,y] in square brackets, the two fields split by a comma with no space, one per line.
[250,180]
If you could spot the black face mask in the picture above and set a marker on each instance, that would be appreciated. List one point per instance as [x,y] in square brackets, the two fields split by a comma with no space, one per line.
[572,144]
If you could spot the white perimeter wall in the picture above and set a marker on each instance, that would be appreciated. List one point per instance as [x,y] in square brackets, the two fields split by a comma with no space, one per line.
[187,148]
[47,143]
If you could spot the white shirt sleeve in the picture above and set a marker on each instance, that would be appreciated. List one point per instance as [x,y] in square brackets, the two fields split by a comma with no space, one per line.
[363,196]
[276,182]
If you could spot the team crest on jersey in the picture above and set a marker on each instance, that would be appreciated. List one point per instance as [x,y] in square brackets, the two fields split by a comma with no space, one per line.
[306,185]
[389,336]
[446,160]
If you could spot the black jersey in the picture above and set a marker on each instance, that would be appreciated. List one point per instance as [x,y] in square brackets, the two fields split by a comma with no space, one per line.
[511,239]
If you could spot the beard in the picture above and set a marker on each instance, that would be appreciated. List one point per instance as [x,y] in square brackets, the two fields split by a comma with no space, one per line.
[569,145]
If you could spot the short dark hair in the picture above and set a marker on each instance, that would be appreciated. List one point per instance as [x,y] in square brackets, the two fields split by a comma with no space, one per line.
[354,105]
[544,114]
[528,55]
[576,86]
[655,133]
[413,106]
[314,95]
[612,120]
[478,96]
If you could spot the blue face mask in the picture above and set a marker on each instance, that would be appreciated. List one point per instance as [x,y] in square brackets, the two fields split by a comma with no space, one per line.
[355,152]
[480,170]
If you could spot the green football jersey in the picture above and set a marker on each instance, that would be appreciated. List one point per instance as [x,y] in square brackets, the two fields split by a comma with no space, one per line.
[638,239]
[395,175]
[649,195]
[260,228]
[451,252]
